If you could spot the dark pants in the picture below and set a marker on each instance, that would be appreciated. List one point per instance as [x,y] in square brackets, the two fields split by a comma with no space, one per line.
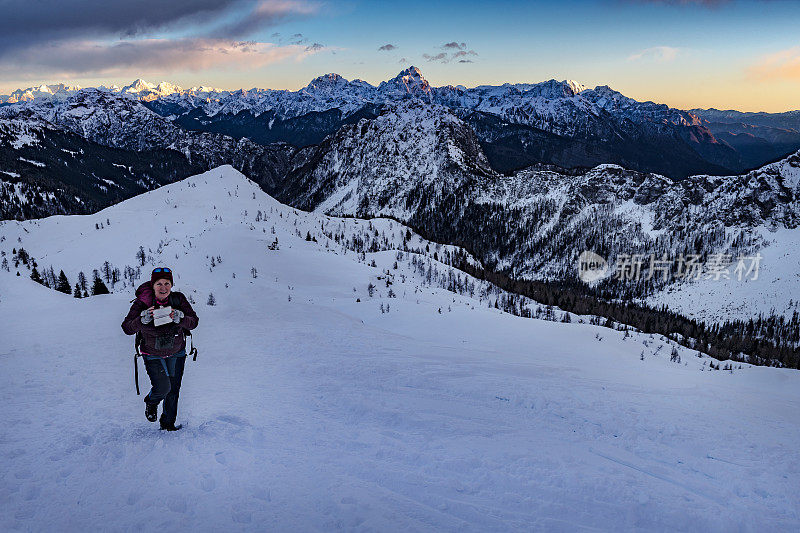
[165,377]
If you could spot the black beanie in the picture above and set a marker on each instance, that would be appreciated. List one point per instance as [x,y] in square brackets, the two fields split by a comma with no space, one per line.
[162,274]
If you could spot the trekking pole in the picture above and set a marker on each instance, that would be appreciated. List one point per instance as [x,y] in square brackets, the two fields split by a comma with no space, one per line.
[192,350]
[136,367]
[136,372]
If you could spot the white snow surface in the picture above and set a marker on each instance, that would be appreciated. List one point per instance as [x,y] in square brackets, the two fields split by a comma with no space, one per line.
[772,289]
[307,410]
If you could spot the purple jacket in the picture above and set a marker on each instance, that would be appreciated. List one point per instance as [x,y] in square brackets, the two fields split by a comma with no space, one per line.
[163,340]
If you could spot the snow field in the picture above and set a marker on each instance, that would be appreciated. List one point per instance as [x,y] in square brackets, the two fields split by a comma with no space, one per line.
[307,410]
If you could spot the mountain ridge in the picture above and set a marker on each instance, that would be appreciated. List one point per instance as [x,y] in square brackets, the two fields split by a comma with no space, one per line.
[551,122]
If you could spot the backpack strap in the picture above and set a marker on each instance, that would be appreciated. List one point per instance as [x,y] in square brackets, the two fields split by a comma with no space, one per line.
[136,342]
[174,300]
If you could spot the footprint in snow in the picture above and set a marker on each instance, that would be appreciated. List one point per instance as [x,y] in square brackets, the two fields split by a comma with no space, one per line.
[235,420]
[241,516]
[208,483]
[262,494]
[177,505]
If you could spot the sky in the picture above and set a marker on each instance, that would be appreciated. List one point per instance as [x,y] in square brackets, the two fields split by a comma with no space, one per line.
[727,54]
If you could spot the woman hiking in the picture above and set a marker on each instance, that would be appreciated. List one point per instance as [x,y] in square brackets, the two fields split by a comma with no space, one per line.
[163,346]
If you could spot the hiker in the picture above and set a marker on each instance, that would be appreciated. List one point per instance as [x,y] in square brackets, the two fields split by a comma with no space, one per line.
[163,347]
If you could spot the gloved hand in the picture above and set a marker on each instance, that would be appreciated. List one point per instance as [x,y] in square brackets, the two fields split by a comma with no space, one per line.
[177,315]
[147,316]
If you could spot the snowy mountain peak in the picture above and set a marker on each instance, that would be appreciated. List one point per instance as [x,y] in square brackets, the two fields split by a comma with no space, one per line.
[412,76]
[328,79]
[42,91]
[575,86]
[167,88]
[554,89]
[408,82]
[138,86]
[143,90]
[411,72]
[326,83]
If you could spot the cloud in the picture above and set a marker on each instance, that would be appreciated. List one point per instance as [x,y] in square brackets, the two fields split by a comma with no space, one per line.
[54,38]
[441,56]
[457,46]
[782,65]
[460,54]
[36,22]
[661,54]
[135,57]
[387,48]
[263,14]
[46,20]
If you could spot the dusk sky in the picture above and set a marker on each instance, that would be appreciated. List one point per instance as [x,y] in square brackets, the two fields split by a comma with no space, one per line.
[686,53]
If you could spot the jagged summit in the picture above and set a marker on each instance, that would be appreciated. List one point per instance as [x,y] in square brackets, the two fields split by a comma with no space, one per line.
[411,72]
[408,82]
[41,91]
[326,82]
[138,86]
[553,89]
[576,87]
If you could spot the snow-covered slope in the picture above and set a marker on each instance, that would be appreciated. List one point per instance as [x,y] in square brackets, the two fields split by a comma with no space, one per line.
[402,162]
[421,164]
[310,410]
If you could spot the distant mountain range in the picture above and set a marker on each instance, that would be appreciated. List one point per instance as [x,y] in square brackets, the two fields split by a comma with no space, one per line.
[518,125]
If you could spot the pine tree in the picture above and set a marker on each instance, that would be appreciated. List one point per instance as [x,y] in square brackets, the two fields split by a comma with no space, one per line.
[77,291]
[98,287]
[62,285]
[46,279]
[140,255]
[35,276]
[82,281]
[211,299]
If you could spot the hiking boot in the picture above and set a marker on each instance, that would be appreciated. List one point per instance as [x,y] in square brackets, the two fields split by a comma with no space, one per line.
[151,411]
[169,426]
